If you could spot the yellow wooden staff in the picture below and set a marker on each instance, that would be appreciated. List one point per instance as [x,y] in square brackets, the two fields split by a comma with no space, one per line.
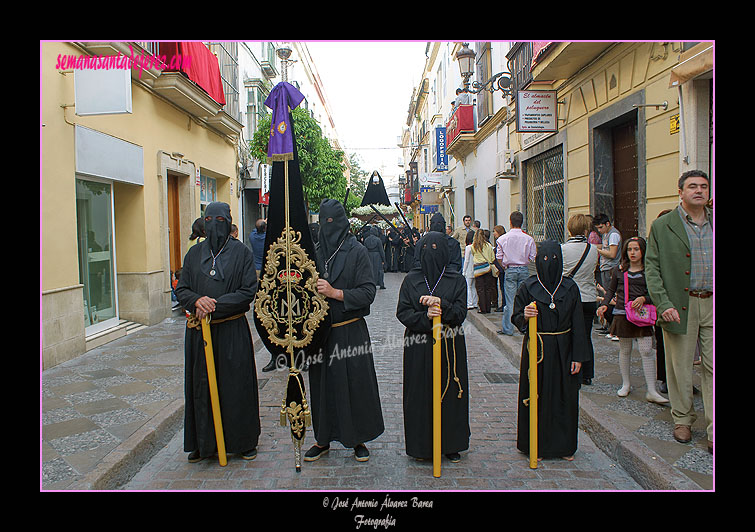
[436,396]
[533,388]
[210,359]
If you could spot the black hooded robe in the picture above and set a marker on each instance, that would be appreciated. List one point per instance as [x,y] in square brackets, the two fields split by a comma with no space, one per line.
[345,400]
[377,255]
[233,286]
[438,224]
[375,193]
[418,355]
[558,389]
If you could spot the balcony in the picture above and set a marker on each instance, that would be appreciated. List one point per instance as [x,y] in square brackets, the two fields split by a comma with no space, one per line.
[564,59]
[267,62]
[460,131]
[186,94]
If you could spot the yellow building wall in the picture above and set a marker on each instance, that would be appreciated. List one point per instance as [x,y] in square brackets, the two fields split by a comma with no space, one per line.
[154,125]
[622,71]
[139,211]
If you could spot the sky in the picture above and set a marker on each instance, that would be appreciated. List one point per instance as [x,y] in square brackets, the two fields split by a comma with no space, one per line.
[369,87]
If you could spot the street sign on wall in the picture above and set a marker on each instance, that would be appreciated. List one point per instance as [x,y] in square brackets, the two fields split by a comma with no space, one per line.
[441,157]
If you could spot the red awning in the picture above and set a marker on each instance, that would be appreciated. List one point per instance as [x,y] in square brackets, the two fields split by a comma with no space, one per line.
[198,63]
[539,50]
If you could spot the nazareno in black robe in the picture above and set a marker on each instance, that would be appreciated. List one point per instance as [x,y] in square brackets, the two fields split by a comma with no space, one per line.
[418,355]
[558,389]
[233,286]
[345,400]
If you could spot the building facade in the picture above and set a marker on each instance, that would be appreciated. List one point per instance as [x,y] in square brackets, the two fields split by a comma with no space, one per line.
[130,155]
[610,129]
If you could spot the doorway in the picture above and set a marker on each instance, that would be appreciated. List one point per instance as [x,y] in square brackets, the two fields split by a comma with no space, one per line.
[97,270]
[174,223]
[625,189]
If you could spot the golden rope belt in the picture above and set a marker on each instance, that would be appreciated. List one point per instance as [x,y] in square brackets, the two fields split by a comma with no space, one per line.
[540,340]
[195,323]
[448,363]
[339,324]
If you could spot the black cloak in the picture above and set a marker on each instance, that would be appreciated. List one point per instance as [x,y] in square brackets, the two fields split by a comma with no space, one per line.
[343,385]
[434,276]
[233,285]
[375,193]
[377,255]
[558,389]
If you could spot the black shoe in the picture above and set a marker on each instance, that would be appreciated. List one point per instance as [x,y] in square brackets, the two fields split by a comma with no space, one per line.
[194,457]
[382,288]
[249,455]
[361,453]
[315,452]
[270,365]
[587,382]
[454,457]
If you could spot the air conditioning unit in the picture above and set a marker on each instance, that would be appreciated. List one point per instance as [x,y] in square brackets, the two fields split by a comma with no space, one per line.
[505,166]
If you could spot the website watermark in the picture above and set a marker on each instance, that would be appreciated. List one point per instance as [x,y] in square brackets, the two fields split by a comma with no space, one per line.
[140,60]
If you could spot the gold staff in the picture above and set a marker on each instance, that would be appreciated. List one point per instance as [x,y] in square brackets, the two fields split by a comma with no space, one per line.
[436,397]
[210,359]
[533,387]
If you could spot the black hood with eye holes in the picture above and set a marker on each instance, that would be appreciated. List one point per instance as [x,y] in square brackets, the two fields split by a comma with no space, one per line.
[549,262]
[433,255]
[217,231]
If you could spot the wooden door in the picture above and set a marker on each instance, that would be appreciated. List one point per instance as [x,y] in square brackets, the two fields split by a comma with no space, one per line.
[174,226]
[625,191]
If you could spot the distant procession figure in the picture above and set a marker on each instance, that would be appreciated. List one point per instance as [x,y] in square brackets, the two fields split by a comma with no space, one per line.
[377,255]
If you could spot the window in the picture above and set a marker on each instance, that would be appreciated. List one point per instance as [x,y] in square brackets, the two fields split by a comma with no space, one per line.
[484,72]
[544,175]
[208,191]
[520,58]
[228,54]
[97,271]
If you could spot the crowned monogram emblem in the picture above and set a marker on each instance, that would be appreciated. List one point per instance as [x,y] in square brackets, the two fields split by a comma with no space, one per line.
[288,304]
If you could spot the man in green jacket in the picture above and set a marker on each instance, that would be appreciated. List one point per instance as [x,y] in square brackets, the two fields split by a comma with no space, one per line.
[679,275]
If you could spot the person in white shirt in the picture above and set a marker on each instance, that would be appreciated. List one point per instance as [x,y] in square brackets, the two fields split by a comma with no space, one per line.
[514,250]
[468,272]
[580,259]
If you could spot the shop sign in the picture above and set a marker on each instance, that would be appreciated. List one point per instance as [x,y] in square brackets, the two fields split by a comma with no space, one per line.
[536,111]
[441,157]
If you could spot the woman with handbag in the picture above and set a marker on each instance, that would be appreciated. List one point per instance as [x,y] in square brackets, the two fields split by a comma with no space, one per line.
[484,272]
[633,316]
[580,260]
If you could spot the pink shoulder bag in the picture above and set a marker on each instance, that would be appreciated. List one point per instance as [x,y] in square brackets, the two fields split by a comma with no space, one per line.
[644,317]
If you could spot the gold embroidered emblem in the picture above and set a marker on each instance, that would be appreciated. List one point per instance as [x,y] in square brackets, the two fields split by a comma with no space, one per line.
[290,322]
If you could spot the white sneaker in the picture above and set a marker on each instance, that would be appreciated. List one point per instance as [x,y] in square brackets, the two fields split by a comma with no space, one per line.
[614,338]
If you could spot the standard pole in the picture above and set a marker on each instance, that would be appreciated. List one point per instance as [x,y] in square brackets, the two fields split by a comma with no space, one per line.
[215,400]
[533,388]
[436,396]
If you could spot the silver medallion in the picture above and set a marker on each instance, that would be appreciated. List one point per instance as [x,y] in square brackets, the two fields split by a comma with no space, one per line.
[552,306]
[212,272]
[325,275]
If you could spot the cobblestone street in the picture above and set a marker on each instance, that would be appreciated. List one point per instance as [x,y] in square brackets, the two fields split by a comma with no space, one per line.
[492,462]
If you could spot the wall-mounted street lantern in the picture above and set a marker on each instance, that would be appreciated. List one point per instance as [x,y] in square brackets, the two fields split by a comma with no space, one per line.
[498,82]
